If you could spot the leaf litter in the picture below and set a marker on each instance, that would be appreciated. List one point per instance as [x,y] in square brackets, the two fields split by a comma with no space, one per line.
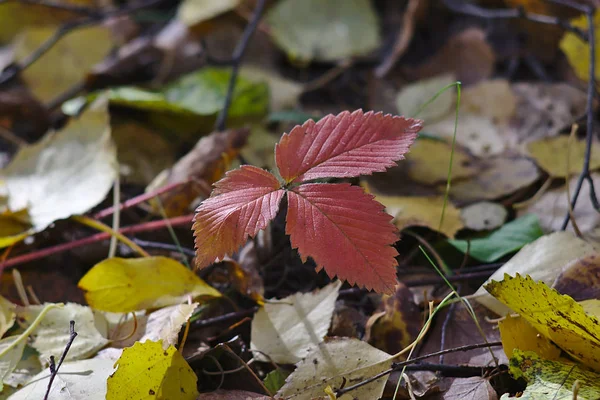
[167,90]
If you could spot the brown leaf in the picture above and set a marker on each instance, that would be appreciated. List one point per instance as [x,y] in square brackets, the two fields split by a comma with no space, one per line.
[473,388]
[232,395]
[580,278]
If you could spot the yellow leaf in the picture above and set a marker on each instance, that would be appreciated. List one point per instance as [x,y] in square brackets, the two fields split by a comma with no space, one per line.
[422,211]
[553,379]
[551,155]
[577,51]
[557,317]
[132,284]
[146,371]
[517,333]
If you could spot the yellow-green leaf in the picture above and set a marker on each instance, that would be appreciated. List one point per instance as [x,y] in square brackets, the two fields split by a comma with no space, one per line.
[132,284]
[577,51]
[552,379]
[557,317]
[146,371]
[7,315]
[551,155]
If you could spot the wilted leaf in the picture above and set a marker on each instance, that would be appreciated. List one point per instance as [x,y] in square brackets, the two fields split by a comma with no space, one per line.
[338,30]
[286,330]
[77,380]
[580,278]
[473,388]
[552,207]
[517,333]
[557,317]
[507,239]
[131,284]
[577,51]
[81,155]
[146,371]
[345,231]
[334,363]
[66,63]
[344,145]
[242,204]
[412,97]
[52,335]
[551,155]
[7,315]
[200,93]
[543,260]
[397,325]
[422,211]
[503,176]
[552,379]
[429,160]
[192,12]
[483,216]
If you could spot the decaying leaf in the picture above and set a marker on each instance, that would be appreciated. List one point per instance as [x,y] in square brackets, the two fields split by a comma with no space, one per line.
[79,380]
[64,64]
[557,317]
[131,284]
[517,333]
[52,335]
[580,278]
[507,239]
[577,51]
[287,329]
[483,216]
[552,379]
[429,160]
[338,30]
[543,260]
[473,388]
[423,211]
[551,155]
[147,371]
[82,155]
[333,363]
[397,325]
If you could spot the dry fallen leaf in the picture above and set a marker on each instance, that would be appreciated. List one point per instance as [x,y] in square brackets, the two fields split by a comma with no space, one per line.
[484,215]
[580,278]
[517,333]
[551,155]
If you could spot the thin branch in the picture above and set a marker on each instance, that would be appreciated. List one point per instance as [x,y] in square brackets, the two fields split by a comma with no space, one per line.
[236,60]
[202,323]
[400,365]
[54,368]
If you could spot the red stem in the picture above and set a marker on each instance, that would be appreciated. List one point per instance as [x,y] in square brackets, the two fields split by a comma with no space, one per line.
[148,226]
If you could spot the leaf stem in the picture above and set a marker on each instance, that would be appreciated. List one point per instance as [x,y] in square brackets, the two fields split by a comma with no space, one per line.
[92,223]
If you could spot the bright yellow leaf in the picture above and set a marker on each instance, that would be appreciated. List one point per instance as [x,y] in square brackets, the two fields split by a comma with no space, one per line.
[517,333]
[13,228]
[578,51]
[551,155]
[146,371]
[557,317]
[132,284]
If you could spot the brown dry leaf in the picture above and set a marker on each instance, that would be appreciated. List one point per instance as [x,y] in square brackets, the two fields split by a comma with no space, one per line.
[199,169]
[517,333]
[503,176]
[66,63]
[473,388]
[580,279]
[467,54]
[544,109]
[553,205]
[429,159]
[347,322]
[422,211]
[484,215]
[551,155]
[397,325]
[244,273]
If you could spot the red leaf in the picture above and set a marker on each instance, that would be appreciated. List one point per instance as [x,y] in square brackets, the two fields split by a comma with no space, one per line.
[345,231]
[242,204]
[344,145]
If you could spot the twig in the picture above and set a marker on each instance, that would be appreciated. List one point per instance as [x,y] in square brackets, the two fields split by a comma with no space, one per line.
[91,19]
[148,226]
[54,368]
[202,323]
[454,371]
[400,365]
[164,246]
[238,55]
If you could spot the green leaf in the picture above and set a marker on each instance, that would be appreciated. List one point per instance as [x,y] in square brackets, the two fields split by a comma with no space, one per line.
[508,239]
[275,380]
[201,93]
[324,30]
